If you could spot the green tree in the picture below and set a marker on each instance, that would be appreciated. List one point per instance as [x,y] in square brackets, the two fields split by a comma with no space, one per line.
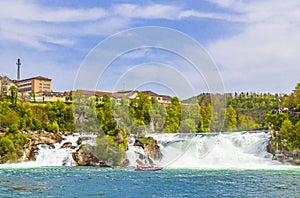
[230,119]
[245,123]
[173,116]
[13,96]
[108,152]
[206,113]
[123,117]
[188,126]
[11,118]
[158,116]
[8,150]
[215,123]
[55,127]
[288,134]
[33,95]
[138,128]
[296,140]
[13,129]
[275,119]
[139,108]
[105,116]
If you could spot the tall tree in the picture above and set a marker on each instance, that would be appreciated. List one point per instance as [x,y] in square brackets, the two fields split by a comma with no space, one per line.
[206,113]
[139,108]
[288,134]
[105,117]
[230,118]
[13,96]
[245,123]
[173,116]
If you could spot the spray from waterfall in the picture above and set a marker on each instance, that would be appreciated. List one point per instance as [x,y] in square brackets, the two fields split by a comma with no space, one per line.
[215,150]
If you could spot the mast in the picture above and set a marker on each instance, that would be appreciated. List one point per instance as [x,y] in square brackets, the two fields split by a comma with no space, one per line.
[18,72]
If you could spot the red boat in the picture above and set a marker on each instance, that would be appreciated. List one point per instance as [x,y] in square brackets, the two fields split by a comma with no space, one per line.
[140,168]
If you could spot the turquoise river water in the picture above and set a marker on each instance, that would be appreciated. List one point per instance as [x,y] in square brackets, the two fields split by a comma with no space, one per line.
[170,182]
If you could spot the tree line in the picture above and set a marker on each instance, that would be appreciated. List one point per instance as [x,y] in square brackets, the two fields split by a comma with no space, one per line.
[115,119]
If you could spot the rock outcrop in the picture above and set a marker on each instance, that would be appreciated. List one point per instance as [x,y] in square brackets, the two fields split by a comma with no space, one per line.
[68,145]
[84,157]
[36,138]
[150,147]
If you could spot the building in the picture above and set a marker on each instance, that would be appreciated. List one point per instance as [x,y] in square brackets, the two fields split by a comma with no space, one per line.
[162,99]
[35,84]
[118,96]
[5,85]
[127,95]
[86,93]
[46,96]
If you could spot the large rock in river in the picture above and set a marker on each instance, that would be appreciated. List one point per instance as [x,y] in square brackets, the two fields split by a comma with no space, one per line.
[36,138]
[150,146]
[84,157]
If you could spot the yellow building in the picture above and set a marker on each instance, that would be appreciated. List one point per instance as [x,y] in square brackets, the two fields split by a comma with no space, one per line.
[47,96]
[5,84]
[35,84]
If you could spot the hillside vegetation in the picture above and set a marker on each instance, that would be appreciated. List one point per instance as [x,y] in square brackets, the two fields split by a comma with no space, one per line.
[113,120]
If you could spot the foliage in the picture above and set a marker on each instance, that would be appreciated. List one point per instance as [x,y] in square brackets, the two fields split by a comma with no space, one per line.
[246,122]
[139,108]
[11,145]
[13,96]
[107,151]
[275,119]
[116,119]
[187,126]
[173,116]
[206,116]
[52,117]
[230,119]
[105,117]
[158,116]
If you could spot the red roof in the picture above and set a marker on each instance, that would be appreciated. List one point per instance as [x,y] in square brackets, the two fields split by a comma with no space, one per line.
[94,93]
[33,78]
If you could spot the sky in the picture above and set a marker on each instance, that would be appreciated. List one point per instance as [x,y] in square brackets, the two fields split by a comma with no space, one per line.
[254,45]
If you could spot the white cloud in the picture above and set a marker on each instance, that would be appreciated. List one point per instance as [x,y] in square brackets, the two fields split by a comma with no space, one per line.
[209,15]
[28,11]
[265,44]
[262,11]
[35,25]
[263,55]
[154,11]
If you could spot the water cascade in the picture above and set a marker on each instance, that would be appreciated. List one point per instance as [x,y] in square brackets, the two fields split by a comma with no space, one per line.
[215,150]
[180,150]
[136,154]
[56,155]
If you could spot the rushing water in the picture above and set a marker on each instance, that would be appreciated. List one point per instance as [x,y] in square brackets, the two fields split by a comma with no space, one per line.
[125,182]
[195,165]
[217,150]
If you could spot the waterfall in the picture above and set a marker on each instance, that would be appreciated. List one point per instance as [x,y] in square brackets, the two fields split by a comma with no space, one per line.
[215,150]
[180,150]
[56,155]
[136,154]
[59,154]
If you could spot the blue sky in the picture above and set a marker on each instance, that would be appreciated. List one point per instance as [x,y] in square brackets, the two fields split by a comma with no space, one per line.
[255,44]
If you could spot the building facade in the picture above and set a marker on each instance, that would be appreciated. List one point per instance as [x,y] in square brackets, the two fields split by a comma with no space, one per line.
[48,96]
[162,99]
[35,84]
[5,85]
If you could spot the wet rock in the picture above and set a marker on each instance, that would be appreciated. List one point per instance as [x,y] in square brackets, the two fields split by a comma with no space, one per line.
[150,147]
[36,138]
[84,157]
[68,145]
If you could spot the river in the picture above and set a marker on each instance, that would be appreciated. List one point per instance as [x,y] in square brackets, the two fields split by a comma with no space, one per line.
[195,165]
[125,182]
